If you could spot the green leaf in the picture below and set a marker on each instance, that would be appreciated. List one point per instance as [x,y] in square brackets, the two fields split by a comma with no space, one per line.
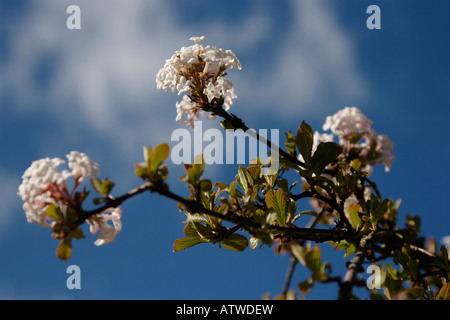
[325,153]
[199,165]
[377,214]
[444,293]
[265,217]
[54,212]
[244,179]
[292,208]
[351,248]
[206,185]
[304,141]
[278,201]
[413,223]
[255,172]
[158,155]
[283,183]
[415,292]
[298,252]
[265,237]
[189,229]
[184,243]
[235,242]
[353,211]
[96,184]
[313,261]
[141,171]
[221,186]
[64,250]
[356,164]
[106,187]
[290,143]
[77,234]
[305,286]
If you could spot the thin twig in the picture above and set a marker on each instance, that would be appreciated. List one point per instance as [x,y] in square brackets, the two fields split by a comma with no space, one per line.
[238,123]
[345,289]
[293,263]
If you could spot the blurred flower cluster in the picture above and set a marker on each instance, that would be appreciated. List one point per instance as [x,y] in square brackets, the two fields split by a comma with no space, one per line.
[355,134]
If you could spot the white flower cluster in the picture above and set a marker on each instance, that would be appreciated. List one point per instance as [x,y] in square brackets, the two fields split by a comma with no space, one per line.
[81,166]
[347,120]
[350,122]
[43,185]
[39,184]
[198,72]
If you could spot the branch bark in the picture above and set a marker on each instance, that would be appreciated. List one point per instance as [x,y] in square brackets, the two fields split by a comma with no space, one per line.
[345,289]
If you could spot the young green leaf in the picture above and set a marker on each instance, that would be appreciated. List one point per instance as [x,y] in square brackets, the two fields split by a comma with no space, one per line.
[353,211]
[304,141]
[64,250]
[351,248]
[205,185]
[290,143]
[106,187]
[444,293]
[158,155]
[378,213]
[305,286]
[184,243]
[96,184]
[278,201]
[244,179]
[54,212]
[235,242]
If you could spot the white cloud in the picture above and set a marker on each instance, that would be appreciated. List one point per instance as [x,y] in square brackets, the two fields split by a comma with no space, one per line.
[315,62]
[106,70]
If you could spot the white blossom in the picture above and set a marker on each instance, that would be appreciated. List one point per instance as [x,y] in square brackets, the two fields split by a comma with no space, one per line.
[81,166]
[99,222]
[383,145]
[347,120]
[189,108]
[36,189]
[212,91]
[203,67]
[348,123]
[43,184]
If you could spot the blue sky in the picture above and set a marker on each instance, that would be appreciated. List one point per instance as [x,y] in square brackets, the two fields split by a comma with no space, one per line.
[94,90]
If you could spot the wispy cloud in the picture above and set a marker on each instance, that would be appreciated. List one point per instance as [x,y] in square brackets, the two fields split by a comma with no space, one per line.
[314,64]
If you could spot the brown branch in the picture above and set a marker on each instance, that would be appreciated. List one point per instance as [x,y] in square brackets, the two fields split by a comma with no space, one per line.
[237,123]
[345,289]
[312,222]
[114,203]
